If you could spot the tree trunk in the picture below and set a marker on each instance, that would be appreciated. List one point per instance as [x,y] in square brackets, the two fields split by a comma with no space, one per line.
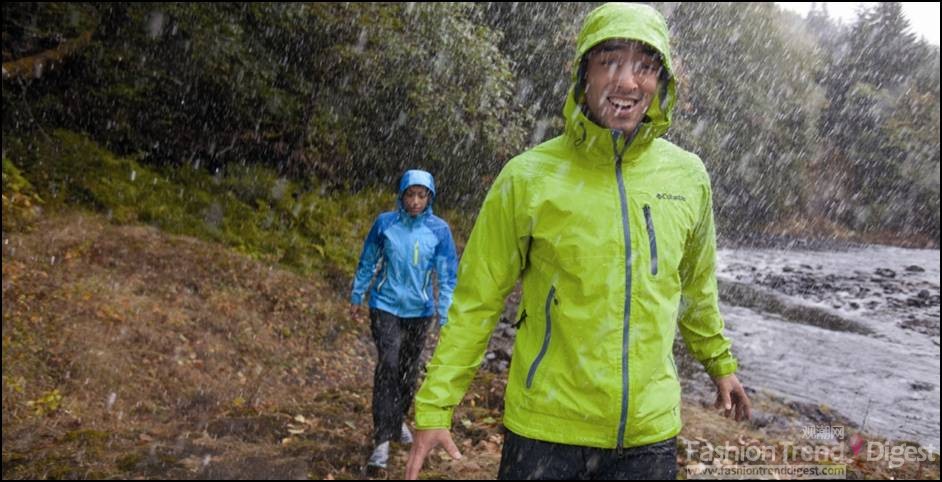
[32,67]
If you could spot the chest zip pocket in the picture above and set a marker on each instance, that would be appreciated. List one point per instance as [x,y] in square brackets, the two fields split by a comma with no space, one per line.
[652,239]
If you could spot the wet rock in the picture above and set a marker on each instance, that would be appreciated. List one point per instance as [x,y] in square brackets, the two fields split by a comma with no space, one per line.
[890,288]
[760,420]
[749,296]
[819,414]
[922,325]
[885,272]
[922,386]
[915,269]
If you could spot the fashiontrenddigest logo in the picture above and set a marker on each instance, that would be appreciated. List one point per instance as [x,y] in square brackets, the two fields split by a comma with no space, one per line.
[824,446]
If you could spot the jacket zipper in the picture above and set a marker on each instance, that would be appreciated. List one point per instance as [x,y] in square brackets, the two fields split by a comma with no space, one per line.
[651,238]
[619,176]
[550,298]
[428,275]
[415,262]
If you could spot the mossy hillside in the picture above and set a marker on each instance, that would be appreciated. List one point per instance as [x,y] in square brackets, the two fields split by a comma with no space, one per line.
[250,208]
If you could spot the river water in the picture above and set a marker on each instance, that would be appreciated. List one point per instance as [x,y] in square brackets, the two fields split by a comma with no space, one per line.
[855,329]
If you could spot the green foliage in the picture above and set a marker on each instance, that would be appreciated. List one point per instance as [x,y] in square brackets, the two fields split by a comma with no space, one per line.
[795,118]
[20,201]
[33,26]
[352,94]
[746,104]
[47,404]
[250,208]
[881,125]
[539,39]
[414,86]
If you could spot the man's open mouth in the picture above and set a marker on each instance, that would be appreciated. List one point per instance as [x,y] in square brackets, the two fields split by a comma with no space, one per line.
[622,105]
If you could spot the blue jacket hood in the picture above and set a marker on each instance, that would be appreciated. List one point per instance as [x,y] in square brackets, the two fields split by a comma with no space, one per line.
[416,177]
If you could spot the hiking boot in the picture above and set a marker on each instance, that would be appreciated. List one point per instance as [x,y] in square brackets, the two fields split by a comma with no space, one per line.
[406,437]
[380,456]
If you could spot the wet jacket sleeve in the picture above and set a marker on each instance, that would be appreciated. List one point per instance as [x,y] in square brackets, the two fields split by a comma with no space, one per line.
[488,270]
[446,267]
[369,256]
[701,324]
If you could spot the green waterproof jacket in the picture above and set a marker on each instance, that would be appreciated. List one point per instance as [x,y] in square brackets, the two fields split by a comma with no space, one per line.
[615,244]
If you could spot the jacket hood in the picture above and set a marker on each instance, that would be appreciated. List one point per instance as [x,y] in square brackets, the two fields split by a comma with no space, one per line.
[416,177]
[621,21]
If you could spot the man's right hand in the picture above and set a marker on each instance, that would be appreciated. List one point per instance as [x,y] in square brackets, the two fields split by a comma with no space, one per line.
[422,443]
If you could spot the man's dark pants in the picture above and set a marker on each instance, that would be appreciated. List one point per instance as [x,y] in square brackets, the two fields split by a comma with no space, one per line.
[527,459]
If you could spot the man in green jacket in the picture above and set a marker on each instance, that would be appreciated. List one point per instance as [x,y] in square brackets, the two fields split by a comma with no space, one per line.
[611,229]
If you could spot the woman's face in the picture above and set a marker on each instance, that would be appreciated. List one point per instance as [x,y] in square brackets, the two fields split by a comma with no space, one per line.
[415,200]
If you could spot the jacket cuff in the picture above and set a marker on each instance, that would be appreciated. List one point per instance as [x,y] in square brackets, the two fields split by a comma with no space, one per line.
[722,367]
[427,418]
[356,299]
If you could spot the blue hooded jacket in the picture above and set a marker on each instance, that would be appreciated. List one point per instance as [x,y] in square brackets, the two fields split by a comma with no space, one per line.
[407,250]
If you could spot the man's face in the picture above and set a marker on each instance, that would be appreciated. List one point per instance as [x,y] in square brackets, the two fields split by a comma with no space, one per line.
[415,199]
[621,80]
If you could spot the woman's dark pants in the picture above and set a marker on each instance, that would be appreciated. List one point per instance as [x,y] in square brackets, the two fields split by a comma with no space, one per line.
[399,343]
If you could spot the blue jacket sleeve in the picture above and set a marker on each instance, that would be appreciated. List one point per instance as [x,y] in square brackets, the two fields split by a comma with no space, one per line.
[371,254]
[446,266]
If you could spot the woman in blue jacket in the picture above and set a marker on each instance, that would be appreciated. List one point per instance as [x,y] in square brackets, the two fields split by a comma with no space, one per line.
[402,250]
